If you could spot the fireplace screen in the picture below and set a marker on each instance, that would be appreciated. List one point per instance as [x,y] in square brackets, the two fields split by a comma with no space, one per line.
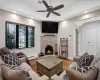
[49,50]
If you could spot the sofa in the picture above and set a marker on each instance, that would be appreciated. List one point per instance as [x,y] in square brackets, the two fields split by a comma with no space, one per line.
[34,76]
[95,62]
[23,65]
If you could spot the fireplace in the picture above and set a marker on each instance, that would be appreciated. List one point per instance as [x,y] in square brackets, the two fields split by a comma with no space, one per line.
[49,50]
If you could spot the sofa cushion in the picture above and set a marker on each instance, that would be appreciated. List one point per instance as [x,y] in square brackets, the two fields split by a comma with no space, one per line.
[1,77]
[25,66]
[11,60]
[76,58]
[5,50]
[85,60]
[10,74]
[1,53]
[23,59]
[97,65]
[34,76]
[76,75]
[96,59]
[73,64]
[83,69]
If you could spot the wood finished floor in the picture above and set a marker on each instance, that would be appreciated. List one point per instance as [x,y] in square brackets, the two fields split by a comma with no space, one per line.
[66,64]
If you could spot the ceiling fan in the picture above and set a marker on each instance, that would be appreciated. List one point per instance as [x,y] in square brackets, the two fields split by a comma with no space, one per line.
[51,9]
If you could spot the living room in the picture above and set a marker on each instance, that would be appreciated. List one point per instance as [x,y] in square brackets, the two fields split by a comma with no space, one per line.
[76,23]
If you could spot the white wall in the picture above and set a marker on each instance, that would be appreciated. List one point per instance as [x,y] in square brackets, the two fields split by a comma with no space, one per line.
[94,25]
[7,16]
[65,30]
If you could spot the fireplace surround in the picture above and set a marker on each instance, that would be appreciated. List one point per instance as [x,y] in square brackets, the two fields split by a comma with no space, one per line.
[50,41]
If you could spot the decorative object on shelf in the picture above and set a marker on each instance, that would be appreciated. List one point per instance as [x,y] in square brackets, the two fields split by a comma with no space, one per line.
[63,48]
[41,54]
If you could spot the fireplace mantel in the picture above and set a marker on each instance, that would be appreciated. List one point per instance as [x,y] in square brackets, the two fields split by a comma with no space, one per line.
[48,40]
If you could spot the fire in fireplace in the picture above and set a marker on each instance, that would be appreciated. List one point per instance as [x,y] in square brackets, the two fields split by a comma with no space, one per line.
[49,50]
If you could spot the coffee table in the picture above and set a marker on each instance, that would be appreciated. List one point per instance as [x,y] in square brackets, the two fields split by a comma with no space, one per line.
[49,66]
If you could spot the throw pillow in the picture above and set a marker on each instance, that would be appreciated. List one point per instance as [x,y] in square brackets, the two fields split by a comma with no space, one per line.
[5,50]
[83,69]
[10,74]
[76,75]
[85,60]
[81,60]
[89,59]
[11,60]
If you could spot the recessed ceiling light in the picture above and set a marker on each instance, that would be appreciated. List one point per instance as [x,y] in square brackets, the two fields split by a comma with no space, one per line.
[32,17]
[85,11]
[62,19]
[14,11]
[92,18]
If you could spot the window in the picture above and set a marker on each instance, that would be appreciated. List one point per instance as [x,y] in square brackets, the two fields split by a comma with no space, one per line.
[22,36]
[30,37]
[11,35]
[19,36]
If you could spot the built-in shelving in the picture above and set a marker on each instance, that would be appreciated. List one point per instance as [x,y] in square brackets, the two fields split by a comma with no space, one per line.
[63,48]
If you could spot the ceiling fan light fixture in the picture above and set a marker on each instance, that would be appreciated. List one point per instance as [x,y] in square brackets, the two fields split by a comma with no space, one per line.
[51,9]
[40,2]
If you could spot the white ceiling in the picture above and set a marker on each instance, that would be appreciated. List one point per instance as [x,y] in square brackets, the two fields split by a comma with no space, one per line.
[80,23]
[28,8]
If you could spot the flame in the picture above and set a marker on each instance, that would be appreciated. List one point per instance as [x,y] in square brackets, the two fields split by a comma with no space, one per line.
[48,51]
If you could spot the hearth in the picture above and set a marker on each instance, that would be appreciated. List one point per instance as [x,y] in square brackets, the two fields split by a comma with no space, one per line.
[49,50]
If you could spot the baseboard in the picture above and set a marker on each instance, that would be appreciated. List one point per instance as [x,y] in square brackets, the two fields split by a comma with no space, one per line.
[71,58]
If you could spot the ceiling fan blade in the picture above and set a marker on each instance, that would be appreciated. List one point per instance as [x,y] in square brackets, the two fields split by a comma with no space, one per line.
[56,13]
[45,3]
[58,7]
[42,11]
[48,14]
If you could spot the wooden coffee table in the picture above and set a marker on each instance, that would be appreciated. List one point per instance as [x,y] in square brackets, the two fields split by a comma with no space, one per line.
[49,66]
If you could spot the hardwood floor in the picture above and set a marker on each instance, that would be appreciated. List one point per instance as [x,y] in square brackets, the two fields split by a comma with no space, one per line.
[66,64]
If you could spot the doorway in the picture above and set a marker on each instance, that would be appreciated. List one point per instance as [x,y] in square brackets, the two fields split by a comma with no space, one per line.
[77,41]
[89,40]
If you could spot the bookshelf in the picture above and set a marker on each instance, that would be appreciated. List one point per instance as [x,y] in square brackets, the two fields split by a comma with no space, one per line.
[63,48]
